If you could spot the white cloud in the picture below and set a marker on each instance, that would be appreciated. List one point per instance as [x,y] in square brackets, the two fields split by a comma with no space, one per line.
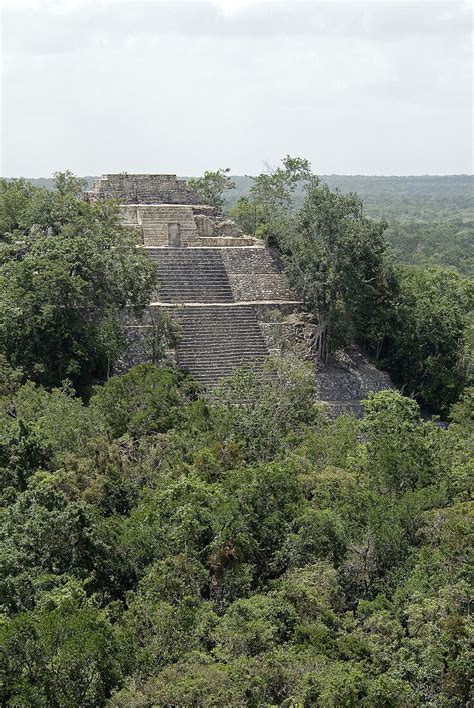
[356,87]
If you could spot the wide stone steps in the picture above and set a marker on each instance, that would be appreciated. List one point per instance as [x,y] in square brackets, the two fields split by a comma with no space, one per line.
[191,275]
[215,340]
[234,351]
[216,334]
[185,255]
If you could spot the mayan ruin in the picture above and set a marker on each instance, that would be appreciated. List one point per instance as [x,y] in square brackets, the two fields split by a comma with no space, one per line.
[226,290]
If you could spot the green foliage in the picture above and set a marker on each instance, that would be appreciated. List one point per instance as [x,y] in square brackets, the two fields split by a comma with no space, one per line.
[163,334]
[62,654]
[212,186]
[428,350]
[144,400]
[264,409]
[162,548]
[266,212]
[159,549]
[68,269]
[398,452]
[335,256]
[336,260]
[430,218]
[415,323]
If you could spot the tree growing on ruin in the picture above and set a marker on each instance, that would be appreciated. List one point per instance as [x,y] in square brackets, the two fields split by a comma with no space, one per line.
[268,209]
[336,259]
[212,186]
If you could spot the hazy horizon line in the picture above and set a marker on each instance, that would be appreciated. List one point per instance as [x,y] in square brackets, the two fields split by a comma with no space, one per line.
[236,174]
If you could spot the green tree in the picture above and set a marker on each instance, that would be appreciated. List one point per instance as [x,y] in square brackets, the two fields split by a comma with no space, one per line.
[63,654]
[398,447]
[147,399]
[427,352]
[267,211]
[212,186]
[336,259]
[157,548]
[79,268]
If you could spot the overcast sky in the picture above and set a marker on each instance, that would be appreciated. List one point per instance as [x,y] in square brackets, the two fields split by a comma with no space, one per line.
[168,86]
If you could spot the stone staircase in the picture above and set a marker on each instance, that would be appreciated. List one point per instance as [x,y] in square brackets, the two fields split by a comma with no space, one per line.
[215,339]
[212,278]
[191,275]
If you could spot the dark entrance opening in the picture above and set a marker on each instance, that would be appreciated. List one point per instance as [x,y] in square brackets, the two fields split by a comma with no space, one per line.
[174,235]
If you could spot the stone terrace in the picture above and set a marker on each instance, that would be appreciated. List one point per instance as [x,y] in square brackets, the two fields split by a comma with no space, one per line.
[223,302]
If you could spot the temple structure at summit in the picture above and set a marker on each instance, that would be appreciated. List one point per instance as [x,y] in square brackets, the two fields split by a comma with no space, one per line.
[226,290]
[165,213]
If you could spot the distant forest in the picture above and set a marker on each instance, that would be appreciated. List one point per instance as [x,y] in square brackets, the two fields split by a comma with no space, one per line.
[431,218]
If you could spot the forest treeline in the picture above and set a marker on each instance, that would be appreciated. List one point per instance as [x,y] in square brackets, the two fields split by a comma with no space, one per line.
[160,547]
[430,218]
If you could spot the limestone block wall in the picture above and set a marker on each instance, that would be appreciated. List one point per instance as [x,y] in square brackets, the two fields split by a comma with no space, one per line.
[150,202]
[151,222]
[154,220]
[142,189]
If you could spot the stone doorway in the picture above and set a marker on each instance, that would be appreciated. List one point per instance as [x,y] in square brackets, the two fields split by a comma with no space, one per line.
[174,235]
